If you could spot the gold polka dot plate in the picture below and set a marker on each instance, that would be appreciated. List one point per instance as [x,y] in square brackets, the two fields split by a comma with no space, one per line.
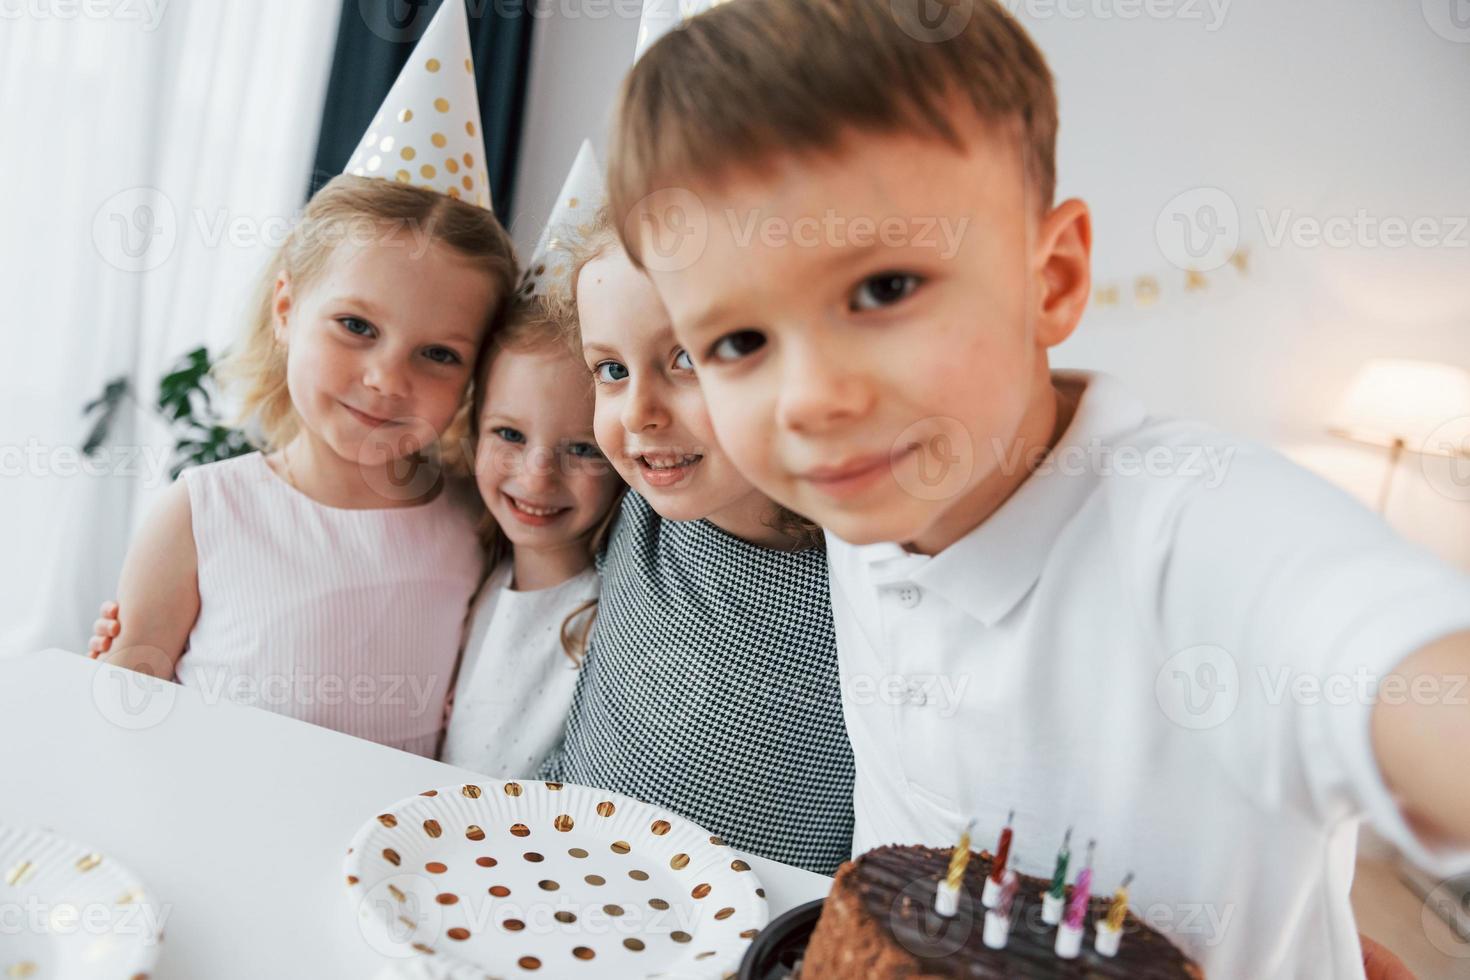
[71,911]
[532,879]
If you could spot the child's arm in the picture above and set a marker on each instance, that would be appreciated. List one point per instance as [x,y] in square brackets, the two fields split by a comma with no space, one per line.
[160,590]
[1421,742]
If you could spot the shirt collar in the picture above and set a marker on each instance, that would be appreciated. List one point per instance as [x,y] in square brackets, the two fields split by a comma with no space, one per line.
[988,571]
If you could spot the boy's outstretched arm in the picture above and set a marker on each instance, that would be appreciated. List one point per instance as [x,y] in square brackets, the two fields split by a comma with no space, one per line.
[159,588]
[1422,740]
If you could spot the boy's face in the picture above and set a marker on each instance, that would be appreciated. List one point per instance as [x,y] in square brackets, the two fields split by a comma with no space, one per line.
[871,368]
[650,418]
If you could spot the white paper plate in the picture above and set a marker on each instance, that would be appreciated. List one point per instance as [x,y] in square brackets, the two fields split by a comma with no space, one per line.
[72,913]
[532,879]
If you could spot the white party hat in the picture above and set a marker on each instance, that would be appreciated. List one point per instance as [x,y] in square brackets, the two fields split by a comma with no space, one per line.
[427,132]
[661,16]
[582,193]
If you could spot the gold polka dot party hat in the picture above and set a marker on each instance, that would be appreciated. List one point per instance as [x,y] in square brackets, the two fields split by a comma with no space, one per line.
[582,193]
[427,131]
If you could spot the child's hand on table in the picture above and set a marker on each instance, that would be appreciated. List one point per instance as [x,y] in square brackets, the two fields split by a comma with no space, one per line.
[103,630]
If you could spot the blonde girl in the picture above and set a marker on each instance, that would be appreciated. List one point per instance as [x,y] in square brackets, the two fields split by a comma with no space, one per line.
[326,576]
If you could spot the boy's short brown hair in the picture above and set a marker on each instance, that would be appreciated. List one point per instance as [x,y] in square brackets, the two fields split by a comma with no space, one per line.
[750,81]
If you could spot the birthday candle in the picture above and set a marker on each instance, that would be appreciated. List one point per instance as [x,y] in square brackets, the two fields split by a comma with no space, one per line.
[1081,892]
[947,895]
[1118,910]
[1008,896]
[1002,852]
[959,860]
[1059,876]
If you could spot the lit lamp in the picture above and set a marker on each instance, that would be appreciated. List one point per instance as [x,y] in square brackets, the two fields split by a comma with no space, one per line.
[1400,404]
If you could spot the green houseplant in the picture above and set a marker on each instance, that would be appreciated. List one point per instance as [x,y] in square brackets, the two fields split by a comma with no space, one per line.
[185,402]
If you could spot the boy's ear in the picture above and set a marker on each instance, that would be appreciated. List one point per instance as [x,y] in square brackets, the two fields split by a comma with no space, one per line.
[281,306]
[1065,245]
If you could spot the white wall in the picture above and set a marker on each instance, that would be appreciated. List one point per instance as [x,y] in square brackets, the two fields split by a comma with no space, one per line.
[1308,109]
[577,61]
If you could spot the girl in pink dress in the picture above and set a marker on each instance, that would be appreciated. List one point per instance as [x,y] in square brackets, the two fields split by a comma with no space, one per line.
[326,577]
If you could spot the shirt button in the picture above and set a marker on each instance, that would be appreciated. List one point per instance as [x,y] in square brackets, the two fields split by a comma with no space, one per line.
[908,596]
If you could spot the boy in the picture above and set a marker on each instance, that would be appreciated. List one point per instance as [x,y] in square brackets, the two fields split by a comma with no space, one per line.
[1195,653]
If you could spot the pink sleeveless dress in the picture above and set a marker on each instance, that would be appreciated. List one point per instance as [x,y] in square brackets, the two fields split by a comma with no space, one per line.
[351,619]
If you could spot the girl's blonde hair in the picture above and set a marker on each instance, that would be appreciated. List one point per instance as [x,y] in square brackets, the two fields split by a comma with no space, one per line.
[336,213]
[532,326]
[601,237]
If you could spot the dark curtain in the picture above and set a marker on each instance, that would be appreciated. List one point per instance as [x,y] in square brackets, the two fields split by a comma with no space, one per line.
[374,40]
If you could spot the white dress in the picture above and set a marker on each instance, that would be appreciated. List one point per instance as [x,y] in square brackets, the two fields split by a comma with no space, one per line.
[515,683]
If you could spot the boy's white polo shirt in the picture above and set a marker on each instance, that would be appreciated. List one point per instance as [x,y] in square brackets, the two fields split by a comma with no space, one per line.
[1166,638]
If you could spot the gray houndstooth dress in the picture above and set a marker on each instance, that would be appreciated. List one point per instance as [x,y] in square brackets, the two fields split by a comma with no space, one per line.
[711,688]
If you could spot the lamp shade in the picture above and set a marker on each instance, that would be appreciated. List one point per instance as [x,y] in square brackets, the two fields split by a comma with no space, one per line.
[1393,400]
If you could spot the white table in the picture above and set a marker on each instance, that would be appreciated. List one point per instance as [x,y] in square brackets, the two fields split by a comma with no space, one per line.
[237,819]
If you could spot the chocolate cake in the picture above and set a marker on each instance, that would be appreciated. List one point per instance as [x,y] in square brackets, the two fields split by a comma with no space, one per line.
[879,921]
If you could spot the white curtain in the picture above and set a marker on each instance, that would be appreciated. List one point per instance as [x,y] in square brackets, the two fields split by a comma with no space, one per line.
[150,158]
